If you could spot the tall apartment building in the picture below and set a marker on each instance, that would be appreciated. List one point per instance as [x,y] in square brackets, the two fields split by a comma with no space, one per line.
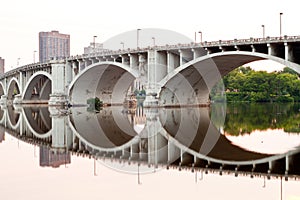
[2,62]
[53,45]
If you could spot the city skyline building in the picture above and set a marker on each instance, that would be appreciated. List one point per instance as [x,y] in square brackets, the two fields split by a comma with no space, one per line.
[2,64]
[94,48]
[53,45]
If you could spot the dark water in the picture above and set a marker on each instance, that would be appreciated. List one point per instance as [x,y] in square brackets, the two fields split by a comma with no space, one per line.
[117,153]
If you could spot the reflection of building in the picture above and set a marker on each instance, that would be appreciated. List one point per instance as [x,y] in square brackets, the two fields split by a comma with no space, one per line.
[50,158]
[1,65]
[95,48]
[53,45]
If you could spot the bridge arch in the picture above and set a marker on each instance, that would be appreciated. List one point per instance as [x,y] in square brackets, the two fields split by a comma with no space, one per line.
[195,79]
[38,87]
[108,81]
[13,88]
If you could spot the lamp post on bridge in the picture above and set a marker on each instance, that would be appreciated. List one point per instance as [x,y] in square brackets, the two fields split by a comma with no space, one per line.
[34,56]
[122,43]
[94,42]
[153,38]
[200,33]
[263,27]
[18,62]
[280,24]
[137,37]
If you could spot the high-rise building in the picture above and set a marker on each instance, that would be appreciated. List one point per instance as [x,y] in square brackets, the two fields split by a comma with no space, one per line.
[53,45]
[1,65]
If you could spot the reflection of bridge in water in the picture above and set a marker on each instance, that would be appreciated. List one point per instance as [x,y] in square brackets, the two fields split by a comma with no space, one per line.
[167,138]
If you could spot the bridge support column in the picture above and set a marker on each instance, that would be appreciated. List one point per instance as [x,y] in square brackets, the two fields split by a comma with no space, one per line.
[58,96]
[271,49]
[288,54]
[133,61]
[172,62]
[151,89]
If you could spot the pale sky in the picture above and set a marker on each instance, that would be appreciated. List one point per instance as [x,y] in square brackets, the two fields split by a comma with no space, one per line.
[77,181]
[21,21]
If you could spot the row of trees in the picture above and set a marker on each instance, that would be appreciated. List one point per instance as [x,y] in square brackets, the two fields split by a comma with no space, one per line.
[245,84]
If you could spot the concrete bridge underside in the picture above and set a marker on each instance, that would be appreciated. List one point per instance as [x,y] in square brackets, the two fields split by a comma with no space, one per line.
[108,81]
[191,83]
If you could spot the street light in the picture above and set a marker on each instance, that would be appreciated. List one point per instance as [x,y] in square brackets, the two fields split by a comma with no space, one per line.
[34,56]
[137,37]
[18,61]
[200,36]
[280,24]
[94,42]
[263,27]
[153,38]
[122,43]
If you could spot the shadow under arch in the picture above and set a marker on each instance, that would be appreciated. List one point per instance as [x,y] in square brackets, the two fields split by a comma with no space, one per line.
[204,72]
[109,81]
[38,86]
[107,131]
[38,121]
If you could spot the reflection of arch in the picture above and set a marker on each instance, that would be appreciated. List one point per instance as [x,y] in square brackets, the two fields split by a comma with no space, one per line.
[2,92]
[2,116]
[202,139]
[40,127]
[13,88]
[102,131]
[107,80]
[43,81]
[202,73]
[14,118]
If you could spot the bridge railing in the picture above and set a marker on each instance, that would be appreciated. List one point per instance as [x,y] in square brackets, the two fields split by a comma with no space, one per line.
[190,45]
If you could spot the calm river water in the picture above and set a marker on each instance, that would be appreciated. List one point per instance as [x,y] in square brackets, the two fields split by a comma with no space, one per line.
[237,151]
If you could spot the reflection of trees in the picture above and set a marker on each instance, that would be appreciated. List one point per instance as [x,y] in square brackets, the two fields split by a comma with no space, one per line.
[244,118]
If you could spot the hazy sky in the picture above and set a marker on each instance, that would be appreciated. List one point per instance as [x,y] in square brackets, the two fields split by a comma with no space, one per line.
[21,21]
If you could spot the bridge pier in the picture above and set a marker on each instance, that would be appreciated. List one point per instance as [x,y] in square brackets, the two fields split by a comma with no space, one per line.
[58,96]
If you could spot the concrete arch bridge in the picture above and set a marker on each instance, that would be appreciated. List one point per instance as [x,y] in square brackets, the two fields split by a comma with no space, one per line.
[171,75]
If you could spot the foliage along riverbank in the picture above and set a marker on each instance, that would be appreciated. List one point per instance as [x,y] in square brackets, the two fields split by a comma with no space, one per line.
[246,85]
[244,118]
